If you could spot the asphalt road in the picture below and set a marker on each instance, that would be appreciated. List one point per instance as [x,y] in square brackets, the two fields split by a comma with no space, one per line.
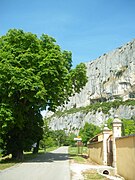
[49,166]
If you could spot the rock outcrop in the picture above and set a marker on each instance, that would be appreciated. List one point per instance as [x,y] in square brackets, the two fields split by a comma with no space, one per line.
[111,76]
[72,122]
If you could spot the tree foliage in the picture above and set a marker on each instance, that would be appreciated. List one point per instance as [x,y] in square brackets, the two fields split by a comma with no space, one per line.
[56,137]
[88,131]
[35,74]
[128,126]
[51,137]
[70,139]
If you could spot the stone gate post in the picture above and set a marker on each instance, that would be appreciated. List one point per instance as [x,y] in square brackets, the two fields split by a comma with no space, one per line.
[116,133]
[106,134]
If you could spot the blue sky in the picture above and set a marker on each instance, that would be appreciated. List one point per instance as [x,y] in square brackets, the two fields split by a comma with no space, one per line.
[87,28]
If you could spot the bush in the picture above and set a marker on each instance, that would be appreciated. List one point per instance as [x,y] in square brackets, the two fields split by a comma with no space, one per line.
[128,126]
[88,131]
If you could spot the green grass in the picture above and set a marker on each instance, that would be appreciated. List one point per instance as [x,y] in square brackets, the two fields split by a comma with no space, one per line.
[7,162]
[51,148]
[78,157]
[92,174]
[0,155]
[6,165]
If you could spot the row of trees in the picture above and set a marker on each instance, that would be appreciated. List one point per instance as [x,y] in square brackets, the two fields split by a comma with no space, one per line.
[59,137]
[35,74]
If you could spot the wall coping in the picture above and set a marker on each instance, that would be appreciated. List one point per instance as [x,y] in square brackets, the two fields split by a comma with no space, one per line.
[132,135]
[95,142]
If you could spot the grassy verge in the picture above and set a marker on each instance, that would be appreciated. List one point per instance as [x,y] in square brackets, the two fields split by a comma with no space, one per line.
[92,174]
[78,155]
[7,161]
[51,149]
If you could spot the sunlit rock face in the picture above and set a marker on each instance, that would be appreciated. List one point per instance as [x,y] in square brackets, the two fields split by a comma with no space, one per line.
[111,76]
[74,121]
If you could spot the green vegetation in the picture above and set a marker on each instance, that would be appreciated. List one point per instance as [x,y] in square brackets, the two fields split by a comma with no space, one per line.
[89,131]
[60,137]
[49,149]
[128,126]
[78,158]
[70,139]
[55,138]
[35,74]
[92,174]
[7,161]
[7,164]
[103,106]
[119,73]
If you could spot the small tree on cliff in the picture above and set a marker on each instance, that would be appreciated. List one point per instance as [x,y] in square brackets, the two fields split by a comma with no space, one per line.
[34,74]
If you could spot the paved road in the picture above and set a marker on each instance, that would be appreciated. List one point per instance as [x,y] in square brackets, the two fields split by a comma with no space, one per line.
[49,166]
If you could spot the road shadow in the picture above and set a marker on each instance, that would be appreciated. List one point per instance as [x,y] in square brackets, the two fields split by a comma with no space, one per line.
[50,157]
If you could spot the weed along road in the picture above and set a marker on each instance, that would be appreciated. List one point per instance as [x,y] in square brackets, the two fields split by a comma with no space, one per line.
[49,166]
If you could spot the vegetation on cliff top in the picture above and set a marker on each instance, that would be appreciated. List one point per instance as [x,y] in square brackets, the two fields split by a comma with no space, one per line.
[103,106]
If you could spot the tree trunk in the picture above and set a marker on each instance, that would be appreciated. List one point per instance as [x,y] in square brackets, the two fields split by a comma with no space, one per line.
[18,155]
[35,149]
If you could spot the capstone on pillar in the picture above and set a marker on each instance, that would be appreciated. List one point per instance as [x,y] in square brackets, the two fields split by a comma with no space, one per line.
[117,127]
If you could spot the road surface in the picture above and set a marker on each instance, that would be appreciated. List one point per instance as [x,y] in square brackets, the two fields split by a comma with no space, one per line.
[49,166]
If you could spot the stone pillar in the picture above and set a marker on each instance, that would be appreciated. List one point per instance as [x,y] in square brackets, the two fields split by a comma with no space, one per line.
[106,134]
[116,133]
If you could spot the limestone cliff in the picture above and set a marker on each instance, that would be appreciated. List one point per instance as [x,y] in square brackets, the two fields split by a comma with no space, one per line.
[73,121]
[111,76]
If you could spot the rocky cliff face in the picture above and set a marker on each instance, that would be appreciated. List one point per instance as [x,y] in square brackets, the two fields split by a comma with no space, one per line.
[72,122]
[111,76]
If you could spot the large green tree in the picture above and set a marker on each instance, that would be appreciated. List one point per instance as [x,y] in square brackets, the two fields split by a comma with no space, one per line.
[35,74]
